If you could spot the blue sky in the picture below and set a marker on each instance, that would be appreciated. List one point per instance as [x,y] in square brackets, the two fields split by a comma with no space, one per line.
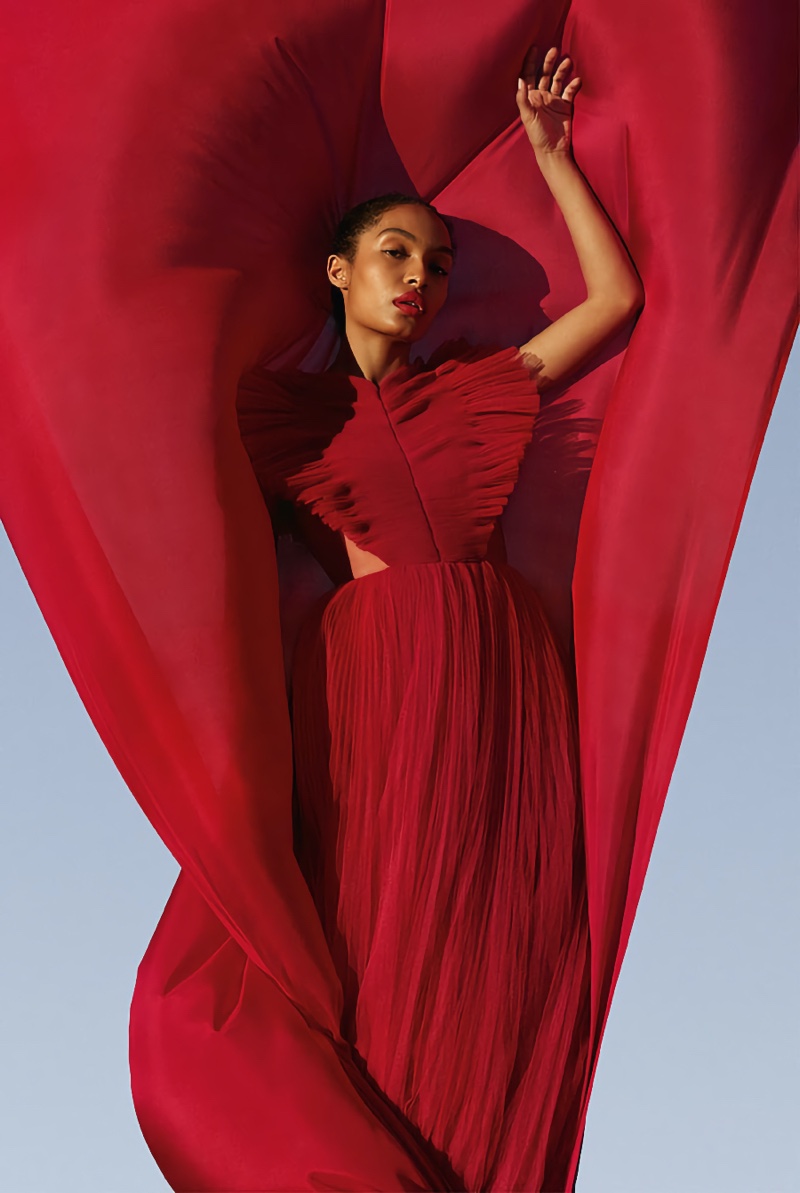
[697,1084]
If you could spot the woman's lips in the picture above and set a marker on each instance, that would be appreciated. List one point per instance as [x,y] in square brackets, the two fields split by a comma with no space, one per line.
[408,307]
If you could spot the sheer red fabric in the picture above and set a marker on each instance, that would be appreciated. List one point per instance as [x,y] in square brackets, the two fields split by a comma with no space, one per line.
[172,172]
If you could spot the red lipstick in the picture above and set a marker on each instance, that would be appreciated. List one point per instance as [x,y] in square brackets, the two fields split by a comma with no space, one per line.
[411,303]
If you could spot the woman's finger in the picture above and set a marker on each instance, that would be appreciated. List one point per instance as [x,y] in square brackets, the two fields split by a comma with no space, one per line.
[547,68]
[559,78]
[573,87]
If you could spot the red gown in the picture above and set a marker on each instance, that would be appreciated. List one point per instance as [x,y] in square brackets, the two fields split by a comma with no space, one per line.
[172,171]
[436,762]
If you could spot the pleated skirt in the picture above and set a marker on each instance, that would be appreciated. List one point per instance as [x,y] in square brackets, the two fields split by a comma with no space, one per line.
[438,825]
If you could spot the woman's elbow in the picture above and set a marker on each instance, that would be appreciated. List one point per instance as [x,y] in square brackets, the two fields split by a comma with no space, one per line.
[634,300]
[620,307]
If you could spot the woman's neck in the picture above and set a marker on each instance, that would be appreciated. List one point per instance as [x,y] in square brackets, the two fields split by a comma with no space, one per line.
[372,356]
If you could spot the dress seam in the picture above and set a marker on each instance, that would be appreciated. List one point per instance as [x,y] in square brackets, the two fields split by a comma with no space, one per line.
[404,454]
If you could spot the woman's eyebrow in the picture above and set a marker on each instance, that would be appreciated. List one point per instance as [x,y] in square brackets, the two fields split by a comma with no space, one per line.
[441,248]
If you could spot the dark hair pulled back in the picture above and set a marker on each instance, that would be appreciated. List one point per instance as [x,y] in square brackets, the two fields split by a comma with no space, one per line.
[360,219]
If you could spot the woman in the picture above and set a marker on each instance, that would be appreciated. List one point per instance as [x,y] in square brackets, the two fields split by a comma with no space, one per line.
[139,281]
[438,809]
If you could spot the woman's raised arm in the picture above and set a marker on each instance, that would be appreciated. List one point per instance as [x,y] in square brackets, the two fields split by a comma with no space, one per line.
[614,292]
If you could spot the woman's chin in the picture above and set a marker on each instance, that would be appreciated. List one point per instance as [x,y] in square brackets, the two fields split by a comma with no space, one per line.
[410,330]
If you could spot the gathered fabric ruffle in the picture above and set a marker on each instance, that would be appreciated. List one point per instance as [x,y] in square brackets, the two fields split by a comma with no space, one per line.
[458,431]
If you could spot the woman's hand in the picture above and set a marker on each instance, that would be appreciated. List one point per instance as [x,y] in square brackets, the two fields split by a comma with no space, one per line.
[546,110]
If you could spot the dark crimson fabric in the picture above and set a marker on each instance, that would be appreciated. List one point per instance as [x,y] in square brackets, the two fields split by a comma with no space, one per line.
[171,174]
[415,470]
[441,838]
[436,773]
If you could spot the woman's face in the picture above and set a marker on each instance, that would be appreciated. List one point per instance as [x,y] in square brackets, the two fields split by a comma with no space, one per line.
[406,255]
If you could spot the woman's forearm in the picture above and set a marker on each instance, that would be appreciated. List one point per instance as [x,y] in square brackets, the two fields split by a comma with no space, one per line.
[613,288]
[608,271]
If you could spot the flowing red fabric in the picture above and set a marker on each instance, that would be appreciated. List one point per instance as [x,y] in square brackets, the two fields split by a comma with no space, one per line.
[172,172]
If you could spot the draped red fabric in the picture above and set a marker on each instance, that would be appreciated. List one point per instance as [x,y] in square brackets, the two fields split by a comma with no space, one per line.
[171,173]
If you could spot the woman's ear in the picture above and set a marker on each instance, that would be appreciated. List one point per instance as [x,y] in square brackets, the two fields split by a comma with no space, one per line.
[338,271]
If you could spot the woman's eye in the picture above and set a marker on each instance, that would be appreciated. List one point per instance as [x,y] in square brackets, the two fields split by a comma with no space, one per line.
[402,253]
